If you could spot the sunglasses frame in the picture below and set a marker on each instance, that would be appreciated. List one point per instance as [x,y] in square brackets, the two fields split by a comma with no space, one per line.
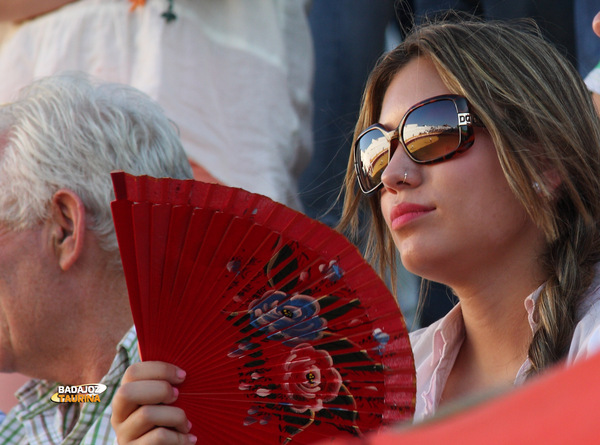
[466,121]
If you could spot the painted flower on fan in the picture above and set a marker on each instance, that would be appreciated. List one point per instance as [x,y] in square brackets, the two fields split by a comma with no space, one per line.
[293,317]
[382,338]
[310,379]
[332,271]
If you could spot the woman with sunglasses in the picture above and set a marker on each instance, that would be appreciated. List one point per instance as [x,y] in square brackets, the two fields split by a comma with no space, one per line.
[477,150]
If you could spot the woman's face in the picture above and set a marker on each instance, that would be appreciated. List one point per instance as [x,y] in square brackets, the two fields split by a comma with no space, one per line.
[455,218]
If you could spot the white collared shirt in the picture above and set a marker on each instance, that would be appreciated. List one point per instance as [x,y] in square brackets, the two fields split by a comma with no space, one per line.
[435,347]
[234,76]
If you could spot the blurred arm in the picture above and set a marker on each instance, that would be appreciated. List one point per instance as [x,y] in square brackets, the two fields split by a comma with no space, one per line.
[596,24]
[19,10]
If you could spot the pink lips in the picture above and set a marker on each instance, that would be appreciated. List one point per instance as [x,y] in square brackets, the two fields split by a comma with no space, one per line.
[406,212]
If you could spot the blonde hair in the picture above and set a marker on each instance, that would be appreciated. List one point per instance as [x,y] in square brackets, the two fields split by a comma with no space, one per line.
[541,119]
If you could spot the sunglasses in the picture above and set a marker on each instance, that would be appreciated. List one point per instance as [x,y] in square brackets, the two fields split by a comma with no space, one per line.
[431,131]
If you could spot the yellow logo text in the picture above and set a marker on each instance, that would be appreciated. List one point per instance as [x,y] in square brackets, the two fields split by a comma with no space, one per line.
[89,393]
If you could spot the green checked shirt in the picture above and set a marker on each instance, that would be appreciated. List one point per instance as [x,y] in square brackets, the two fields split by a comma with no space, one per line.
[38,420]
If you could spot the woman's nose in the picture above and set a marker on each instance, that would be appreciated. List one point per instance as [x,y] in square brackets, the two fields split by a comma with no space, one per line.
[399,172]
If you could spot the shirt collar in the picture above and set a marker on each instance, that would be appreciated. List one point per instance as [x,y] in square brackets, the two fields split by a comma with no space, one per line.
[531,308]
[449,334]
[451,328]
[587,301]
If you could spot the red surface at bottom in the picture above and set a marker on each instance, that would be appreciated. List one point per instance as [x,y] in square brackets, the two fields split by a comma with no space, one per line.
[560,407]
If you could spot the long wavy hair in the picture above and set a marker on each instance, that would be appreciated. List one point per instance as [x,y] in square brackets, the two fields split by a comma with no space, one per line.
[540,117]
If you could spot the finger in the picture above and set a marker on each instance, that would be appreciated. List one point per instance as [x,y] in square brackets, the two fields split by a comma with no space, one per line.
[145,419]
[164,437]
[154,371]
[130,396]
[596,24]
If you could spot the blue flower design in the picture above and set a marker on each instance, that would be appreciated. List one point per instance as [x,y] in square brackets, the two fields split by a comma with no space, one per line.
[382,338]
[295,318]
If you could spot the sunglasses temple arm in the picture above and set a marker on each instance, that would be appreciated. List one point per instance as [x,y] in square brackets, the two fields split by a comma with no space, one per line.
[475,121]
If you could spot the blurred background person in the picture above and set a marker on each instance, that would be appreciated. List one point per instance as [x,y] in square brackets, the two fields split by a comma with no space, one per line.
[235,76]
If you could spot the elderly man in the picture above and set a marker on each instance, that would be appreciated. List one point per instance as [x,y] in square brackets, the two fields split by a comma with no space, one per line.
[64,312]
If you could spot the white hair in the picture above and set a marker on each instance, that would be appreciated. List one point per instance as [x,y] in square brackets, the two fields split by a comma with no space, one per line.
[69,131]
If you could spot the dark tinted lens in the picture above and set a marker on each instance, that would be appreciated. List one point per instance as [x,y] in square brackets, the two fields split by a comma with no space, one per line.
[431,131]
[372,158]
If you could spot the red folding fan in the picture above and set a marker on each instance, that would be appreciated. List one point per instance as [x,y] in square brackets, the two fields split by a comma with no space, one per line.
[285,332]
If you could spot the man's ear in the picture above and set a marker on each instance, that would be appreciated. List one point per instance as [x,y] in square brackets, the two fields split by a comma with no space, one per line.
[67,227]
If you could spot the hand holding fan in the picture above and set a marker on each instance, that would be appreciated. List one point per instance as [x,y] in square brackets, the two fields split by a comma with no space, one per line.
[285,332]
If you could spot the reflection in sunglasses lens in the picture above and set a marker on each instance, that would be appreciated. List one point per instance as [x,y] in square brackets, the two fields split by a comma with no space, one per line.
[374,148]
[431,131]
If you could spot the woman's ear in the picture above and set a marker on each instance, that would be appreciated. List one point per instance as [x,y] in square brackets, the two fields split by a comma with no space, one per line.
[552,180]
[67,227]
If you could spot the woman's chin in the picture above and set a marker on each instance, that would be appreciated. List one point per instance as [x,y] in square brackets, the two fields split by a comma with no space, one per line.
[425,263]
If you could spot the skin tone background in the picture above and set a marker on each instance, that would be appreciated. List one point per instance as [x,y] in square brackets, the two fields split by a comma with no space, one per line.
[18,10]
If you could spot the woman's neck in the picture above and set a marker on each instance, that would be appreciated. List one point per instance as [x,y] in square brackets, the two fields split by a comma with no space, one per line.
[497,333]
